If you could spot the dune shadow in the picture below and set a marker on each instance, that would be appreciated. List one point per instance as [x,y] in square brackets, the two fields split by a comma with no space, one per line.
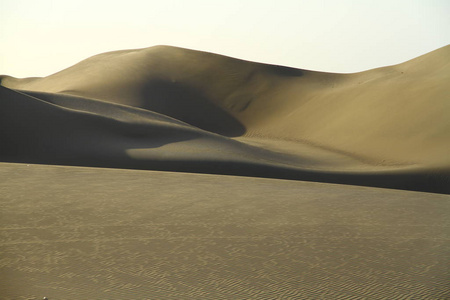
[284,71]
[47,132]
[189,105]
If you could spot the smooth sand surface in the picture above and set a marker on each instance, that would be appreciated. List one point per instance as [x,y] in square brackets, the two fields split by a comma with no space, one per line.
[92,210]
[93,233]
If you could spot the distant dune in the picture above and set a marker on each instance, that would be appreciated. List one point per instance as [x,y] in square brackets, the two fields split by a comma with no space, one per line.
[71,229]
[167,108]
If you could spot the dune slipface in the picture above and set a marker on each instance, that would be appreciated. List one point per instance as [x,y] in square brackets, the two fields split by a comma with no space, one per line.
[225,237]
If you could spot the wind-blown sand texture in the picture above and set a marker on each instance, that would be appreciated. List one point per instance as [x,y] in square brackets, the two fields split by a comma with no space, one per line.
[87,233]
[80,233]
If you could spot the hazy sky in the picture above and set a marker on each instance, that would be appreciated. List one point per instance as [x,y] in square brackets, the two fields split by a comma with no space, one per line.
[40,37]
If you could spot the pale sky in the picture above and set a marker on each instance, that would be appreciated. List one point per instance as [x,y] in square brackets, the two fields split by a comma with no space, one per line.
[41,37]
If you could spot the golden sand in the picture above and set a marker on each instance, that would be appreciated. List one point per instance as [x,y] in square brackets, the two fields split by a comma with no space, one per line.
[149,228]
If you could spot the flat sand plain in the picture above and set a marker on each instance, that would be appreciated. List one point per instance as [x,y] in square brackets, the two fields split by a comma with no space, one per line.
[94,233]
[168,173]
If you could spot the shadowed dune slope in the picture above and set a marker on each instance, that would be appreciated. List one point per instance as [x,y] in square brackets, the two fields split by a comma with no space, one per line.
[59,129]
[209,110]
[69,130]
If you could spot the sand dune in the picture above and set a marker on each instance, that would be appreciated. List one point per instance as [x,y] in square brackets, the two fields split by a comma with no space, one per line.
[137,231]
[386,127]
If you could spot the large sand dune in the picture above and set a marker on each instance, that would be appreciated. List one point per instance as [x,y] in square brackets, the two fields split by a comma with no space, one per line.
[92,233]
[167,108]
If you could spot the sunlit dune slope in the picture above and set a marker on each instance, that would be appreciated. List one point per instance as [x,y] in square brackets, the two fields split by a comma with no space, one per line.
[209,108]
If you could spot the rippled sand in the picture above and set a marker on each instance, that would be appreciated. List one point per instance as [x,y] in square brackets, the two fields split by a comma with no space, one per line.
[93,233]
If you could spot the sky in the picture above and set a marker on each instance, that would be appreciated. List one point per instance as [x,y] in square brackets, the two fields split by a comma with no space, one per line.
[41,37]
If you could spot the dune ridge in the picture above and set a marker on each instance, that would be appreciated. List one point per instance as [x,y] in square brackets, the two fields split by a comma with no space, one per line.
[168,108]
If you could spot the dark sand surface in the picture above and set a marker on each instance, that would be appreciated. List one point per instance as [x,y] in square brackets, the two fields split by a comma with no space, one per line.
[158,173]
[93,233]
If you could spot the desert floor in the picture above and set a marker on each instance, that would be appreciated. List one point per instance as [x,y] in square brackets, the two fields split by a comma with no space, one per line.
[94,233]
[168,173]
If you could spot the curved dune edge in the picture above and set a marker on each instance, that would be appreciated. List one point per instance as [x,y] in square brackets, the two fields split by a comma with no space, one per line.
[93,233]
[174,109]
[78,131]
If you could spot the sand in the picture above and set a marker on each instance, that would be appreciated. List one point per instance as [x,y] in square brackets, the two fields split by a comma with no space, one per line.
[157,224]
[93,233]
